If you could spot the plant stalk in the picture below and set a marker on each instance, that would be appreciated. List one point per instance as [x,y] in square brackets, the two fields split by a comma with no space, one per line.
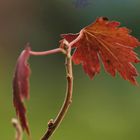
[18,135]
[53,124]
[54,51]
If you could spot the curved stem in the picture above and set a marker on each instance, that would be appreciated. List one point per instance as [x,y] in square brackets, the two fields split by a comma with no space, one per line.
[17,126]
[54,51]
[53,124]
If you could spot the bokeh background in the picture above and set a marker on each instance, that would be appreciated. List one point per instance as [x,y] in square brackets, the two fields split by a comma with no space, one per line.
[105,108]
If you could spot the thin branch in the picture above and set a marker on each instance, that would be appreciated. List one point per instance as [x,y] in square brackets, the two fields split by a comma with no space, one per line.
[17,126]
[54,51]
[53,124]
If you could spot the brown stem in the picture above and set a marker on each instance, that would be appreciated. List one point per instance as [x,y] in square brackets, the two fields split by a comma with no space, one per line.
[17,126]
[53,124]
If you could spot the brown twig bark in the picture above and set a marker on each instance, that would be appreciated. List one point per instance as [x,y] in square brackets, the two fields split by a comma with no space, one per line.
[53,124]
[18,135]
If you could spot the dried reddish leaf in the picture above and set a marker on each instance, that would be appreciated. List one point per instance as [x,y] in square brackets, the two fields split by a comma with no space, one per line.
[114,45]
[21,87]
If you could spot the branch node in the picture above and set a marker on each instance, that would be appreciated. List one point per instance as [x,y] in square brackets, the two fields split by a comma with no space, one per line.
[50,124]
[70,101]
[69,76]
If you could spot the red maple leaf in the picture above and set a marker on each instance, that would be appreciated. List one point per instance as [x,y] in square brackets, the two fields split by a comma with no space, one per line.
[21,87]
[104,40]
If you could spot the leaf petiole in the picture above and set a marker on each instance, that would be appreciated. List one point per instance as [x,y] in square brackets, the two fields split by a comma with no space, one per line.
[54,51]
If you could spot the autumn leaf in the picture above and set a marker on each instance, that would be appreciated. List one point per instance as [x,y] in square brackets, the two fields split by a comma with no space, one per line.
[105,40]
[21,87]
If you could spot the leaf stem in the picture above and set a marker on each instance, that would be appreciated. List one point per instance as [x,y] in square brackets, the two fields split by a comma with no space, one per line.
[53,124]
[54,51]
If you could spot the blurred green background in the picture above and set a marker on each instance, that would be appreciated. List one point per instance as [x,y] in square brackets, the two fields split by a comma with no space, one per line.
[105,108]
